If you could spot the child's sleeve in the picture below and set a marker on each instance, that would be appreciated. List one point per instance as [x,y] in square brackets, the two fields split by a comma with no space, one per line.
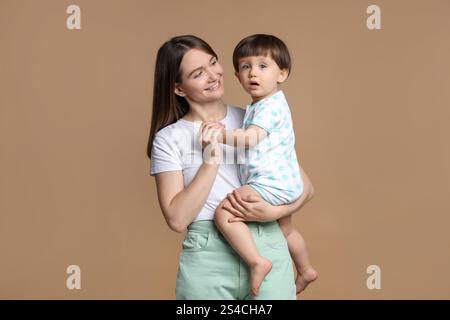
[266,116]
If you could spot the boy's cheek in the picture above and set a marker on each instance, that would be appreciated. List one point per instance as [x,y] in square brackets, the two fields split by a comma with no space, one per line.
[241,79]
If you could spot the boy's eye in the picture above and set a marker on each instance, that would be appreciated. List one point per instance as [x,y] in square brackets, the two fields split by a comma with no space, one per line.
[245,66]
[263,66]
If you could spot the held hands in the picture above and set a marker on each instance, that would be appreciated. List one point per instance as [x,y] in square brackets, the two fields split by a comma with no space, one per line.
[250,208]
[211,134]
[219,129]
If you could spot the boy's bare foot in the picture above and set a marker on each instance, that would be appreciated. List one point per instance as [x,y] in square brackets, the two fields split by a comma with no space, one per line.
[305,278]
[257,274]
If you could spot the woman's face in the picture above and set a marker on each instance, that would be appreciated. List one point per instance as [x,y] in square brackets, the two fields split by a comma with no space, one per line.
[201,77]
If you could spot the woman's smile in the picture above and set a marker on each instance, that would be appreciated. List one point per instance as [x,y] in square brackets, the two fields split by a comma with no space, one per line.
[215,86]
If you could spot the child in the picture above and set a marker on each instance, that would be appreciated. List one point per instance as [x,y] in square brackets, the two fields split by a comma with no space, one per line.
[270,170]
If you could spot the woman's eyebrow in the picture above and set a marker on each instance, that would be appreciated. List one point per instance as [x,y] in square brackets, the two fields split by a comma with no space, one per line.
[199,68]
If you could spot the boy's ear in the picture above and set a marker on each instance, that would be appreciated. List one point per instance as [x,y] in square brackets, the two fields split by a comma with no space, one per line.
[237,75]
[284,73]
[178,91]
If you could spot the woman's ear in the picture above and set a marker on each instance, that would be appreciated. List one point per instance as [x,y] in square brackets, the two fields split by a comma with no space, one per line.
[179,91]
[284,73]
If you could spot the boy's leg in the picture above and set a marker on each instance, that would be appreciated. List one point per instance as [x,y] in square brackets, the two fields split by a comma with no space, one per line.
[240,238]
[297,249]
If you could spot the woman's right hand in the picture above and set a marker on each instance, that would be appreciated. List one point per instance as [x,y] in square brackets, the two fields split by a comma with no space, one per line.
[254,208]
[208,134]
[249,208]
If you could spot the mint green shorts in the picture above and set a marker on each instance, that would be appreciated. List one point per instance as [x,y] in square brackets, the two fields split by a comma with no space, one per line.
[209,268]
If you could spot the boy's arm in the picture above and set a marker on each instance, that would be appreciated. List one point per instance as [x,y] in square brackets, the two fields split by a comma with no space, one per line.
[243,137]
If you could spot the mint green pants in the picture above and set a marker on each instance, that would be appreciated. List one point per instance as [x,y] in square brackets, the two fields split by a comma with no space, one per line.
[209,268]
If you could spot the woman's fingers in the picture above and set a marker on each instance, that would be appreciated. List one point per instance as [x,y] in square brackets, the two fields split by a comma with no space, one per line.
[202,131]
[210,127]
[214,135]
[206,132]
[251,198]
[214,132]
[240,201]
[231,210]
[200,134]
[232,198]
[209,135]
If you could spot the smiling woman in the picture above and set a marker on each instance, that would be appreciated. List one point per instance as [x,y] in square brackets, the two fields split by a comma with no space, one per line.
[188,91]
[203,79]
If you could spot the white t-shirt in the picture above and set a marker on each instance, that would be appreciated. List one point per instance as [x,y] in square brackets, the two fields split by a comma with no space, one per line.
[177,148]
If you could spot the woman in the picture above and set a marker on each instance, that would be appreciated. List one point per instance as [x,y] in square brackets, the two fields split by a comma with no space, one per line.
[188,90]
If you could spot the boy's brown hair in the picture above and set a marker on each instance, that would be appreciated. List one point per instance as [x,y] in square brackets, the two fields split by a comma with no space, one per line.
[263,45]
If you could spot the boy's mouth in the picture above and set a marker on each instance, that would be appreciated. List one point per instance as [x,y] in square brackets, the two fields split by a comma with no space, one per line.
[254,85]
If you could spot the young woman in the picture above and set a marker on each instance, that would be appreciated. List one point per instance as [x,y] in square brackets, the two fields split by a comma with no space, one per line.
[188,91]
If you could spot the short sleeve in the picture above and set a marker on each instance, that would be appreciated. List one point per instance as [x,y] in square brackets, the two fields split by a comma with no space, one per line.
[165,156]
[267,116]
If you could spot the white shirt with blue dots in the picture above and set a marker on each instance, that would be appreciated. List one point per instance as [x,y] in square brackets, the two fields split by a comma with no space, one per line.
[271,166]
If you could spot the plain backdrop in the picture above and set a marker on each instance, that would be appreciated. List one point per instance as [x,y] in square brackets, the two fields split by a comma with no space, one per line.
[371,116]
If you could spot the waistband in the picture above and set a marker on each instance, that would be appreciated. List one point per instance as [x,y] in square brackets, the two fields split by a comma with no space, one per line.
[257,228]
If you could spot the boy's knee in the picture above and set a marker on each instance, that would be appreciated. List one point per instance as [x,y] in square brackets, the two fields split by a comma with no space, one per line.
[286,228]
[287,231]
[220,215]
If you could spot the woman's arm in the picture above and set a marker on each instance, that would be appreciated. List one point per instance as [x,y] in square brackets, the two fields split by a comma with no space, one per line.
[180,205]
[254,208]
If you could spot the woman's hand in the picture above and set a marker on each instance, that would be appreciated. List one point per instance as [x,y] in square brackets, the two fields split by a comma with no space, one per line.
[250,208]
[254,208]
[209,133]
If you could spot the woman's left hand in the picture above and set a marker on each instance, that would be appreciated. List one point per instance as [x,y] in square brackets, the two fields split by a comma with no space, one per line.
[250,208]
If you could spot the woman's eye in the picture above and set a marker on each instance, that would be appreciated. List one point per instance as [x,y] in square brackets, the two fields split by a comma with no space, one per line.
[214,62]
[198,74]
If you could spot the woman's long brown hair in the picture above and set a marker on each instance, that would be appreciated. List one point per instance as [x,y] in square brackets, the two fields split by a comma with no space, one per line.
[167,106]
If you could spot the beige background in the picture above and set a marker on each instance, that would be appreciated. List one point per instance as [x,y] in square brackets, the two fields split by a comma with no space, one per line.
[371,113]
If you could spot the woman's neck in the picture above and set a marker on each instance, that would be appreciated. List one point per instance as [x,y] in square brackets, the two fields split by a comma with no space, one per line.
[214,111]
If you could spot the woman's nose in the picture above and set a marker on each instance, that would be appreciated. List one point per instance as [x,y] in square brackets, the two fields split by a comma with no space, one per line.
[213,76]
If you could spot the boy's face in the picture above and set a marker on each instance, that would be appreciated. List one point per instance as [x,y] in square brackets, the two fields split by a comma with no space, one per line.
[260,76]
